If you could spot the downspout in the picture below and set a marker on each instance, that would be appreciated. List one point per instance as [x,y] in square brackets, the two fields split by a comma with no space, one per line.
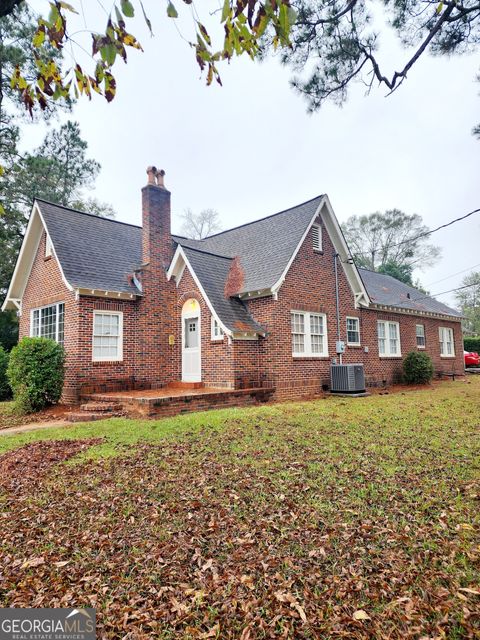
[337,301]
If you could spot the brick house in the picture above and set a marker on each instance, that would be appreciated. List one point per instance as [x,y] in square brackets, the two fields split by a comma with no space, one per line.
[254,306]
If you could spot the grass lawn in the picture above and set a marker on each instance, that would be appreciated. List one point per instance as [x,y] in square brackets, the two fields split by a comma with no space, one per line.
[327,519]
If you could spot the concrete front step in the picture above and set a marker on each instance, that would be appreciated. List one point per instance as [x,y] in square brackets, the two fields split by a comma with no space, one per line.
[105,407]
[178,384]
[90,416]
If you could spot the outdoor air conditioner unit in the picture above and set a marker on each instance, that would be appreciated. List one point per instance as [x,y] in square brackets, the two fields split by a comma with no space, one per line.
[347,378]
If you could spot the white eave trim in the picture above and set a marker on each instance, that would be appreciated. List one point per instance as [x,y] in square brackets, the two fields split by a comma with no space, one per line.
[256,293]
[106,293]
[333,229]
[244,335]
[176,268]
[23,258]
[412,312]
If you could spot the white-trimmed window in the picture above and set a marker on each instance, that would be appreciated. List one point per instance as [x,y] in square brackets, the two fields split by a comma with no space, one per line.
[353,331]
[420,335]
[107,336]
[217,331]
[388,339]
[48,246]
[447,345]
[309,334]
[317,237]
[48,322]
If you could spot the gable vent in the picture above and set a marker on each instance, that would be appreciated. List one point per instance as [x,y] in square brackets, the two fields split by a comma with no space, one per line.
[317,237]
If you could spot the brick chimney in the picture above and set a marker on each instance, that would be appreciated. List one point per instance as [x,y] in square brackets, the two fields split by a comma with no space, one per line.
[156,236]
[156,356]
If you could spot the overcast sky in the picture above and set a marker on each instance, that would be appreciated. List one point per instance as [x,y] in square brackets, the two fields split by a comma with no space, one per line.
[249,149]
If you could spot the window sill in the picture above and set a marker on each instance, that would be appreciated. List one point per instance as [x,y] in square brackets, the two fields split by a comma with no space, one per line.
[390,357]
[323,357]
[319,251]
[354,345]
[110,361]
[46,258]
[448,357]
[421,348]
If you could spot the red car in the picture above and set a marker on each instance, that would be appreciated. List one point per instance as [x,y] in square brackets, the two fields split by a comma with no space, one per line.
[472,359]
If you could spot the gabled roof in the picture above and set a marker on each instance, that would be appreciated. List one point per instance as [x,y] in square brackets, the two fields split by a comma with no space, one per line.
[387,291]
[267,247]
[212,271]
[95,253]
[264,246]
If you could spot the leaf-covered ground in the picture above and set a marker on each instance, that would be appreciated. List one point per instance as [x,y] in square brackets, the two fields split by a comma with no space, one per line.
[338,518]
[10,417]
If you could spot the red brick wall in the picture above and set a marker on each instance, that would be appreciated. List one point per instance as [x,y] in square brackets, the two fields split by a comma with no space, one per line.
[310,286]
[247,364]
[45,286]
[379,370]
[106,376]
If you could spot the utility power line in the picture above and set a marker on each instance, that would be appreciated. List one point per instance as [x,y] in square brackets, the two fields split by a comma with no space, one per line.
[452,275]
[424,234]
[433,295]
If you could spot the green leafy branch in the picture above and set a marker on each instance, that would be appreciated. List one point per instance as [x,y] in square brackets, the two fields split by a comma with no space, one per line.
[244,23]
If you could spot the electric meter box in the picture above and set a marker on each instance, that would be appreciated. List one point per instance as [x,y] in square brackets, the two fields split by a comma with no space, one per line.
[340,346]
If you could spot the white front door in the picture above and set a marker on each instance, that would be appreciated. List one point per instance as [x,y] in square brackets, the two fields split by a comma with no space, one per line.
[191,345]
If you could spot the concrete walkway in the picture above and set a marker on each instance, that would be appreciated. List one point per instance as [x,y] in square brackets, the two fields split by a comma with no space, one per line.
[35,426]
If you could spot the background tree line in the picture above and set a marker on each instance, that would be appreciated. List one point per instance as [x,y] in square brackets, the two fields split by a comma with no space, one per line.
[59,170]
[335,33]
[329,44]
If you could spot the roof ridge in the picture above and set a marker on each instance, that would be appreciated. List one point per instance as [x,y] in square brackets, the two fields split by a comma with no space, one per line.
[208,253]
[85,213]
[272,215]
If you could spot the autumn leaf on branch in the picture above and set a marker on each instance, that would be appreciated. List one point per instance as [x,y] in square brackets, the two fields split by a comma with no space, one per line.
[244,23]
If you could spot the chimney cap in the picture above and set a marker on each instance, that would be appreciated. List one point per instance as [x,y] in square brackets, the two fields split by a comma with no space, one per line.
[160,175]
[155,177]
[151,173]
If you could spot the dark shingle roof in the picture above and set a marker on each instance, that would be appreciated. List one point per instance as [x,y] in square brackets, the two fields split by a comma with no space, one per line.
[265,246]
[389,291]
[95,253]
[98,253]
[212,271]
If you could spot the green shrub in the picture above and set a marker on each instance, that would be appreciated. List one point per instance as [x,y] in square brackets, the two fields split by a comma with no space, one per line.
[471,344]
[417,368]
[35,372]
[4,386]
